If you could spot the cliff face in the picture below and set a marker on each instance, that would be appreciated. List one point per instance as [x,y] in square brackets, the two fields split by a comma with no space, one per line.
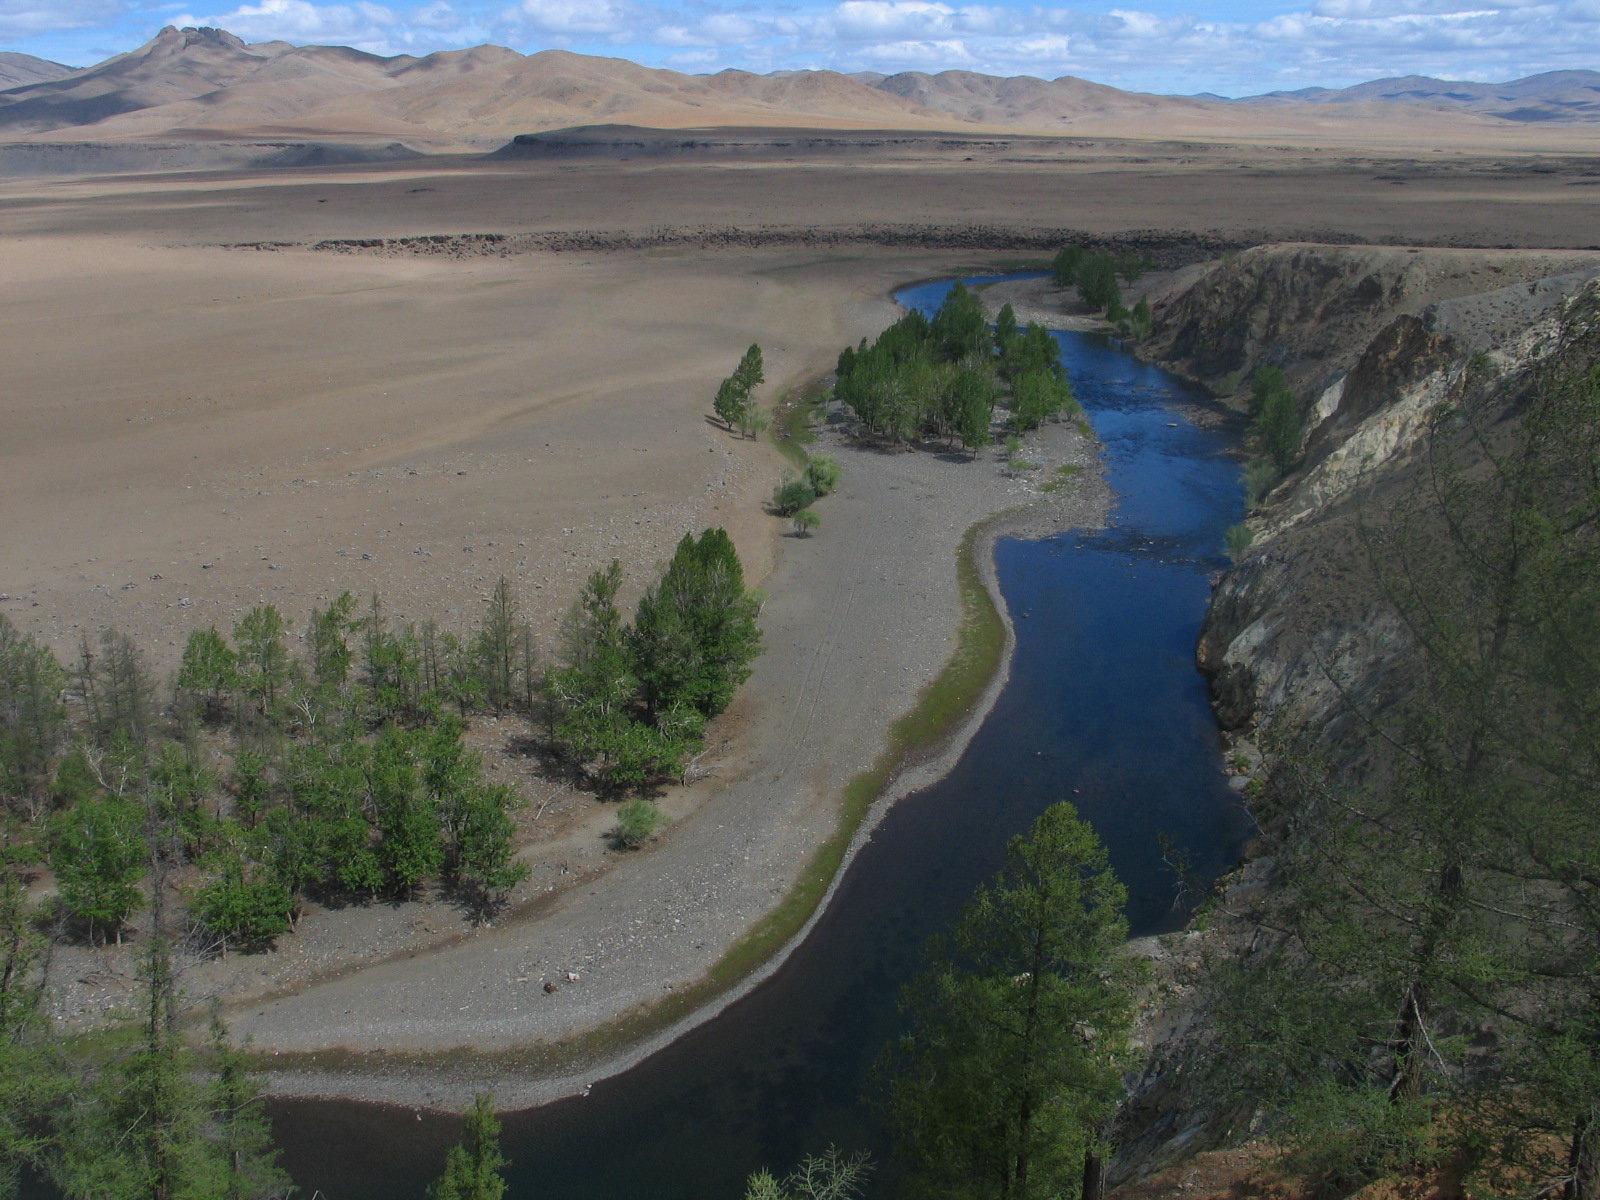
[1377,343]
[1299,629]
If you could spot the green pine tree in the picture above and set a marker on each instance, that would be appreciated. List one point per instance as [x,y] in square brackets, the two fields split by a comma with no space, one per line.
[473,1168]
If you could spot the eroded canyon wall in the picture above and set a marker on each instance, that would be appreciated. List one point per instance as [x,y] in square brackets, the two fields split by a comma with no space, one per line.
[1381,346]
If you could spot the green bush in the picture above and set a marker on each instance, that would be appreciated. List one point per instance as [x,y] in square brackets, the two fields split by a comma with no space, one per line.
[1259,478]
[249,909]
[790,496]
[822,473]
[637,821]
[1239,538]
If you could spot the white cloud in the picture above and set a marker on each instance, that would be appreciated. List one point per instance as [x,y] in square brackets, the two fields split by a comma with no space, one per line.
[363,25]
[1214,45]
[576,17]
[24,18]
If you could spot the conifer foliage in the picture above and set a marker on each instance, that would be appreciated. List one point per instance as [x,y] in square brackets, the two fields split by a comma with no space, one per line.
[734,403]
[945,378]
[472,1169]
[1019,1028]
[630,703]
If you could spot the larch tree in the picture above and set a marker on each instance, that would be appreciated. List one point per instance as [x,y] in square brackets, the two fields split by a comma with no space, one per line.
[1019,1027]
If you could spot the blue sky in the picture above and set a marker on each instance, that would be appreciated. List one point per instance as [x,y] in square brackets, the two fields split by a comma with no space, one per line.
[1235,47]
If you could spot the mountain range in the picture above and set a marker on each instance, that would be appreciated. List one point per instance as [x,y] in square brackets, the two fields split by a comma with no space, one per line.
[1551,96]
[197,85]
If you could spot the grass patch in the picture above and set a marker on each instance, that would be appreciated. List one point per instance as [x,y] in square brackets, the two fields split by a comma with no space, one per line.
[995,266]
[1063,476]
[916,736]
[794,418]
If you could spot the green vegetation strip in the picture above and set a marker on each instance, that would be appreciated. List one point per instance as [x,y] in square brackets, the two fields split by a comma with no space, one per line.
[917,736]
[795,418]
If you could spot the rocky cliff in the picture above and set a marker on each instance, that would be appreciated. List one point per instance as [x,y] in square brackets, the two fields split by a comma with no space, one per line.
[1390,353]
[1378,344]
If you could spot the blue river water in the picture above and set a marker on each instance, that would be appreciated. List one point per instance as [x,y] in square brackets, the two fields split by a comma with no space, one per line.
[1104,707]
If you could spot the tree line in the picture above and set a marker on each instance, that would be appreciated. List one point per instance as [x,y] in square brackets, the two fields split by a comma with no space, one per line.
[1096,275]
[342,770]
[945,377]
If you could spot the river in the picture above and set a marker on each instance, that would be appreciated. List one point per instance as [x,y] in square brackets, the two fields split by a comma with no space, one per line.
[1104,707]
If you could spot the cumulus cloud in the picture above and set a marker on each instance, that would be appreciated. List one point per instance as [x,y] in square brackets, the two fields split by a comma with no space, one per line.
[1202,45]
[576,17]
[363,25]
[24,18]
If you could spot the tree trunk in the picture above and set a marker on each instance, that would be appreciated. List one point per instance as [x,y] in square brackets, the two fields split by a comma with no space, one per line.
[1410,1045]
[1583,1160]
[1094,1175]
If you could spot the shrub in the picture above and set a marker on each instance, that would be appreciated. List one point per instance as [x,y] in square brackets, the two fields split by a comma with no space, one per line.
[637,821]
[822,473]
[790,496]
[1239,538]
[1259,478]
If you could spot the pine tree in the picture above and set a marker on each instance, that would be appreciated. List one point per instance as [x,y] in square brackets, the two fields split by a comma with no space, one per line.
[473,1168]
[33,1079]
[696,634]
[263,656]
[242,1135]
[327,637]
[1019,1027]
[98,856]
[33,718]
[498,648]
[209,671]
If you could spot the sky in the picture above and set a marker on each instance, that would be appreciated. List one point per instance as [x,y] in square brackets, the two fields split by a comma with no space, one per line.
[1231,47]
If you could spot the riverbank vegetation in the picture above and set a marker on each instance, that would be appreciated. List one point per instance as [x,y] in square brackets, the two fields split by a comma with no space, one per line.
[1098,276]
[1275,432]
[734,403]
[944,378]
[264,776]
[1009,1073]
[137,1114]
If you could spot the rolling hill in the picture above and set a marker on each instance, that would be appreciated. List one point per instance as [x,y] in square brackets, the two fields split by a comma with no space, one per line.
[193,86]
[1551,96]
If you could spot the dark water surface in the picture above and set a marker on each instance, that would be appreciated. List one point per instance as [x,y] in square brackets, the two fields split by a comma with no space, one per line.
[1104,707]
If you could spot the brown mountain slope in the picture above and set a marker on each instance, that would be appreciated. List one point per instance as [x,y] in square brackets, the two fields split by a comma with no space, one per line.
[20,70]
[1025,100]
[208,85]
[175,65]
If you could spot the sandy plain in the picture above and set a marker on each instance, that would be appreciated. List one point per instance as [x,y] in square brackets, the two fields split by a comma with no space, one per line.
[190,430]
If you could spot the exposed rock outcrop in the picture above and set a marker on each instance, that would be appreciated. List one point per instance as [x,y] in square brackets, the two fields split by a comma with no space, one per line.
[1377,343]
[1300,631]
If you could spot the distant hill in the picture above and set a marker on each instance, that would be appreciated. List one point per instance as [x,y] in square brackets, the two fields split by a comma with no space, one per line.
[19,70]
[1551,96]
[1024,100]
[207,82]
[188,86]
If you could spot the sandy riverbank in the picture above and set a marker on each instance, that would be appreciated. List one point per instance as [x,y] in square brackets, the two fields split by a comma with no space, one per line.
[861,618]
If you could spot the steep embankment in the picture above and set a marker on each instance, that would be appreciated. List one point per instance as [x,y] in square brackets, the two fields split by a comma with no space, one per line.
[1375,342]
[1387,352]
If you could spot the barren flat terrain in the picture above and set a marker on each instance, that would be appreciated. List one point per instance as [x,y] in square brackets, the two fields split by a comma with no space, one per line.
[191,430]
